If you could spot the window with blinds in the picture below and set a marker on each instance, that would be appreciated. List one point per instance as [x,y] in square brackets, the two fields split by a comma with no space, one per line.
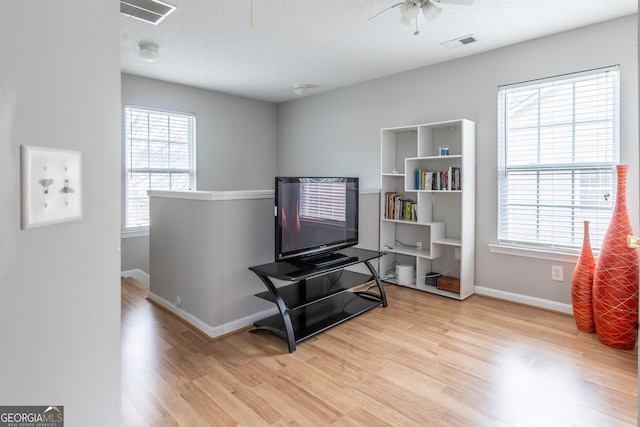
[159,155]
[323,201]
[558,147]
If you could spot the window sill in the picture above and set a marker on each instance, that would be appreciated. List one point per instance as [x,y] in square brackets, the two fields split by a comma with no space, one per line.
[135,232]
[533,253]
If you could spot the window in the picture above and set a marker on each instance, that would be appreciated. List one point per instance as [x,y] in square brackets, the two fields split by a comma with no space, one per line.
[159,155]
[558,147]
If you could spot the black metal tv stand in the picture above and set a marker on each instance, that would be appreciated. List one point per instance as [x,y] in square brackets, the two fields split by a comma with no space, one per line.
[319,298]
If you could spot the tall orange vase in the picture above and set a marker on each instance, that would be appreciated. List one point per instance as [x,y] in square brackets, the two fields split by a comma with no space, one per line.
[615,282]
[582,286]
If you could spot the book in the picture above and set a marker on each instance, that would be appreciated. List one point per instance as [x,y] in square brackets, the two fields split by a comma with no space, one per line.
[396,207]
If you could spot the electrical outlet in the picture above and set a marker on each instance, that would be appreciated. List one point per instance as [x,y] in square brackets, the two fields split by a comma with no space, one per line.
[419,245]
[557,273]
[456,254]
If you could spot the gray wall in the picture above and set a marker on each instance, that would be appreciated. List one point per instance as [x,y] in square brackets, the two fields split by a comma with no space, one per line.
[235,142]
[59,285]
[204,260]
[339,132]
[135,254]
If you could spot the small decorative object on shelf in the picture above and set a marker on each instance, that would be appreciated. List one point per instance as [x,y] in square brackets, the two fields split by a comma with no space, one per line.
[615,283]
[443,151]
[582,286]
[451,284]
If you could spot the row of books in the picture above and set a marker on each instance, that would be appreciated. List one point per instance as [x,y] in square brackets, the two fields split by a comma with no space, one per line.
[446,180]
[397,207]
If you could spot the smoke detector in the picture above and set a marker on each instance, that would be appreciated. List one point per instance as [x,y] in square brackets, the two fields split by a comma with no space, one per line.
[149,52]
[300,90]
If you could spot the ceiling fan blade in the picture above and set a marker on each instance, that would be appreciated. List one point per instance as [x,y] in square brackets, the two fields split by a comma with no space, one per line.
[458,2]
[384,12]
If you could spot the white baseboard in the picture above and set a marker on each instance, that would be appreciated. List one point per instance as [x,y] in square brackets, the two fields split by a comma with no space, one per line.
[138,275]
[216,331]
[524,299]
[211,331]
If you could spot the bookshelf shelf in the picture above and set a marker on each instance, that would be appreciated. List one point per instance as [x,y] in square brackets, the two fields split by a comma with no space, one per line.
[442,214]
[425,253]
[401,221]
[451,242]
[438,158]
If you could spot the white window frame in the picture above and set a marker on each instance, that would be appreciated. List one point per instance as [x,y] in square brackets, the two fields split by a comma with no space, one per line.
[602,208]
[128,168]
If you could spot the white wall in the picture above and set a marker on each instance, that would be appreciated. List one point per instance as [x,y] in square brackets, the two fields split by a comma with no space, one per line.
[235,142]
[59,285]
[339,132]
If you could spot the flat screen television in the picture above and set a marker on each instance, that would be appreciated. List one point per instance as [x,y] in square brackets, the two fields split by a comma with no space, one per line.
[315,217]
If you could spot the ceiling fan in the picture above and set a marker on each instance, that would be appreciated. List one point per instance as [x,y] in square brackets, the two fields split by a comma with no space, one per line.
[416,12]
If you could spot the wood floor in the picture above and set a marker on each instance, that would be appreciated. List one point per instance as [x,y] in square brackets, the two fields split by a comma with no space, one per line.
[423,361]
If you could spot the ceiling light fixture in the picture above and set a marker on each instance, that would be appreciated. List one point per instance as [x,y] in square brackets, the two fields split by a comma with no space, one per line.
[414,12]
[430,10]
[300,89]
[149,52]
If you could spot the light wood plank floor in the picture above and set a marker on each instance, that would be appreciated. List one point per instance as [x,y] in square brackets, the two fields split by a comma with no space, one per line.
[423,361]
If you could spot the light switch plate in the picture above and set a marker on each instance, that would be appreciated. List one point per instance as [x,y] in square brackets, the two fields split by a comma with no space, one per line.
[51,186]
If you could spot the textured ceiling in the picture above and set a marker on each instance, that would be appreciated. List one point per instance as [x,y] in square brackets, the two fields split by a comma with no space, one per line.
[327,44]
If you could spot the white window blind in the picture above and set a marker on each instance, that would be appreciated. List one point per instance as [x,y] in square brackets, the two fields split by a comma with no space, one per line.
[326,201]
[558,147]
[159,155]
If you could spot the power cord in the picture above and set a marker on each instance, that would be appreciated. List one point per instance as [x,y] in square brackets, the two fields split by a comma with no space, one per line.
[405,245]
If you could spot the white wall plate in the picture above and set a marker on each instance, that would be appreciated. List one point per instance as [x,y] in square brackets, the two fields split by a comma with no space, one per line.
[51,186]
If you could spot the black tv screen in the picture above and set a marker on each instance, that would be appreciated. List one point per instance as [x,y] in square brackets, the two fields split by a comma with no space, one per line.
[315,216]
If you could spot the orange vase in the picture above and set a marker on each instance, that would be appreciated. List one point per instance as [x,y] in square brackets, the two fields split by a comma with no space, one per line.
[615,282]
[582,286]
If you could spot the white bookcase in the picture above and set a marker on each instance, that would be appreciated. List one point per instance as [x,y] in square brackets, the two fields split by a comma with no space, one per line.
[444,226]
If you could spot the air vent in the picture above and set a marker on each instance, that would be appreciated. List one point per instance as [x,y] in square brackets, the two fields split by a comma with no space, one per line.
[460,41]
[151,11]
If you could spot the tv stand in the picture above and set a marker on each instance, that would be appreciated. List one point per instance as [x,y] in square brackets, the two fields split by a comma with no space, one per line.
[320,296]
